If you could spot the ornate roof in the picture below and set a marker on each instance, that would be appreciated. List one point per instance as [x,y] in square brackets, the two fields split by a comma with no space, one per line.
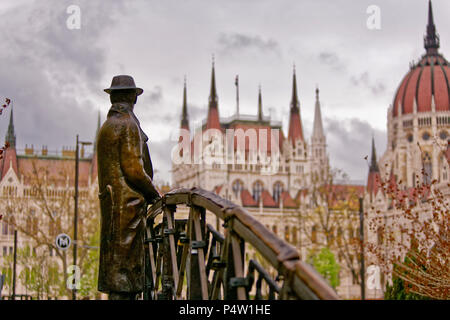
[428,81]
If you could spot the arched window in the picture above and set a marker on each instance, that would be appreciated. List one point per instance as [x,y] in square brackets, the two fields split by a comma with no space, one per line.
[286,233]
[427,168]
[339,236]
[351,234]
[34,226]
[277,190]
[4,228]
[11,226]
[380,236]
[274,229]
[257,190]
[443,166]
[237,187]
[28,225]
[314,234]
[331,236]
[294,235]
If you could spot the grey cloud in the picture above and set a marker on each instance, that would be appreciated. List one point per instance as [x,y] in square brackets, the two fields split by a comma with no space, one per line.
[332,59]
[50,71]
[161,152]
[156,95]
[235,42]
[376,87]
[349,141]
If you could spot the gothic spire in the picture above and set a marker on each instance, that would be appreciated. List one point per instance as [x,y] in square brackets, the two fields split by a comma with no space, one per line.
[212,121]
[373,161]
[295,123]
[213,99]
[260,107]
[317,127]
[184,115]
[431,39]
[10,135]
[294,100]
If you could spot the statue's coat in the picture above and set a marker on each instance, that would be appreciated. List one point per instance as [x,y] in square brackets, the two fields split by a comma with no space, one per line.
[125,187]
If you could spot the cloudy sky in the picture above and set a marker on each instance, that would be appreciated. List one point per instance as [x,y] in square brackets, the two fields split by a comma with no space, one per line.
[55,75]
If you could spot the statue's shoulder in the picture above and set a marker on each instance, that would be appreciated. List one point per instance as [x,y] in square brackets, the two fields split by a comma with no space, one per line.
[120,120]
[119,112]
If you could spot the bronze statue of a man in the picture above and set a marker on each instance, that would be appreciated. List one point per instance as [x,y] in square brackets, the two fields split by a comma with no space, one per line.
[125,188]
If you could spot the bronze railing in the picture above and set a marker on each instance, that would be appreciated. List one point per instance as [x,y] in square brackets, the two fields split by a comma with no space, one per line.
[190,259]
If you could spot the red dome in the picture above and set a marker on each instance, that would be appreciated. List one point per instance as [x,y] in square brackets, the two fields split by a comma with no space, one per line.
[430,77]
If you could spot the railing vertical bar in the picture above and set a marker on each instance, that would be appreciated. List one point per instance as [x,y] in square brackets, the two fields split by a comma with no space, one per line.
[158,265]
[219,275]
[200,254]
[194,290]
[167,285]
[184,259]
[238,265]
[173,254]
[151,255]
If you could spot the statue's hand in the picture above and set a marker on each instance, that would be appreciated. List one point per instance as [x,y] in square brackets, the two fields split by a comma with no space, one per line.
[155,199]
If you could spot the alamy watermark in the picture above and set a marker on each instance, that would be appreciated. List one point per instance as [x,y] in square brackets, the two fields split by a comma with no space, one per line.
[73,21]
[74,278]
[374,277]
[374,19]
[259,147]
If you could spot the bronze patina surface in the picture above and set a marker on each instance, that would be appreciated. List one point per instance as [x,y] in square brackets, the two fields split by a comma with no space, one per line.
[125,189]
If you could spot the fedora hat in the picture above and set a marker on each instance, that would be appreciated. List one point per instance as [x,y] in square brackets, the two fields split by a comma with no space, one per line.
[123,82]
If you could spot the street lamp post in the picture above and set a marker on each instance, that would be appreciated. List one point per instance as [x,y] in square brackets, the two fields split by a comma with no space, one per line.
[361,235]
[14,265]
[75,218]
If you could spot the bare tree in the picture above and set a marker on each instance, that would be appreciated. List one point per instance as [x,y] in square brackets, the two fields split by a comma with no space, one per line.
[413,237]
[331,220]
[46,209]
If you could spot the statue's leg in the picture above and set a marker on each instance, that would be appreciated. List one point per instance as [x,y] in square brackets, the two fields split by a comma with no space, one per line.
[122,296]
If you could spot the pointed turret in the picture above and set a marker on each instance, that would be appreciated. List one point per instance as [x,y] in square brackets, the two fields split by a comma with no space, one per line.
[260,108]
[213,107]
[319,145]
[184,113]
[295,104]
[9,159]
[431,39]
[10,135]
[374,178]
[295,123]
[317,127]
[373,159]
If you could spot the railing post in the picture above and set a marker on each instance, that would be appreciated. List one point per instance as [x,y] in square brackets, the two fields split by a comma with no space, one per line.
[198,283]
[167,276]
[150,263]
[169,233]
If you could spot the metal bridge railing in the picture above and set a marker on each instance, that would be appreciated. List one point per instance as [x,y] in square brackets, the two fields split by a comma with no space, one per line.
[189,259]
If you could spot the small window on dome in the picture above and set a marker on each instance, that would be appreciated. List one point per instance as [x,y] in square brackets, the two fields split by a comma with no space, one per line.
[443,135]
[425,136]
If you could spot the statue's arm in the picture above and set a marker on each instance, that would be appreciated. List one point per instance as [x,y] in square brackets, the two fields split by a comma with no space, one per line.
[148,166]
[132,165]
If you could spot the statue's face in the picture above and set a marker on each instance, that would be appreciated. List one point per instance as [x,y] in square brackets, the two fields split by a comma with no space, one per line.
[127,96]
